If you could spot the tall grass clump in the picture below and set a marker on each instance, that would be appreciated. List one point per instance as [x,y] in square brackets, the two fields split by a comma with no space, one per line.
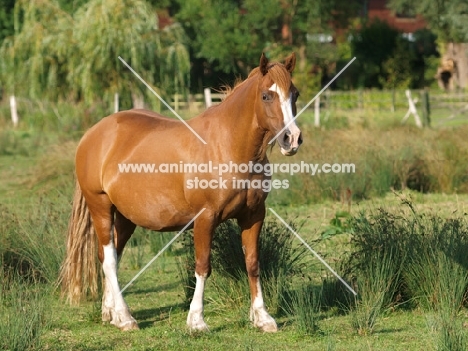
[438,279]
[335,297]
[33,239]
[447,299]
[437,276]
[376,283]
[422,256]
[305,305]
[380,245]
[23,307]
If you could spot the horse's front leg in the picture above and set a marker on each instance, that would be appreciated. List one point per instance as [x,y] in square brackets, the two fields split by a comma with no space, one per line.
[251,228]
[203,234]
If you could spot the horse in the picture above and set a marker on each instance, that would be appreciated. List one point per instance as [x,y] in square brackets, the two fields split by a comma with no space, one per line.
[108,203]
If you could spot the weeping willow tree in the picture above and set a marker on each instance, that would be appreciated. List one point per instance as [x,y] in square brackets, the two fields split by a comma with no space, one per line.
[57,55]
[105,30]
[34,59]
[177,59]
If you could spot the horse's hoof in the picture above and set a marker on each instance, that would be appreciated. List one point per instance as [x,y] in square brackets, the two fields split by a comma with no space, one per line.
[130,325]
[199,328]
[263,321]
[269,327]
[196,323]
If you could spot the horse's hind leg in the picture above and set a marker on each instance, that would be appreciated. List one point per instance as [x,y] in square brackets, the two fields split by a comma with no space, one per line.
[251,227]
[123,229]
[102,213]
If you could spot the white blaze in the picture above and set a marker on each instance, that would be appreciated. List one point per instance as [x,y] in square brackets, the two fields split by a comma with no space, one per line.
[286,108]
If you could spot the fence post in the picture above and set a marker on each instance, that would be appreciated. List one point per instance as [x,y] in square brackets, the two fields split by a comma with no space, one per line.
[116,102]
[14,111]
[426,108]
[412,110]
[208,101]
[138,100]
[317,112]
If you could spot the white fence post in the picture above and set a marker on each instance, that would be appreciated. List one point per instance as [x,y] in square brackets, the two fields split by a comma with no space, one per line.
[14,111]
[116,102]
[317,112]
[138,100]
[412,110]
[208,101]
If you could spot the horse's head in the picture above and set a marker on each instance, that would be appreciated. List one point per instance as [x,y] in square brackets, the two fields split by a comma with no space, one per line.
[276,103]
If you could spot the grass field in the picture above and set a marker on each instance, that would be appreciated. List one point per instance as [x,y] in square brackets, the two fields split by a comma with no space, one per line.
[36,183]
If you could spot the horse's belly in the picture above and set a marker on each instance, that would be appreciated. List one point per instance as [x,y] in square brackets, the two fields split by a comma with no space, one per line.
[163,209]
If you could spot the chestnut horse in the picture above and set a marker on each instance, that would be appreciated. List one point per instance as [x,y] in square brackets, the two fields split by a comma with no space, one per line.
[109,204]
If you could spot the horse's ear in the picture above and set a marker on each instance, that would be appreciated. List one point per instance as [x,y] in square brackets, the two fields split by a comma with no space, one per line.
[263,64]
[290,62]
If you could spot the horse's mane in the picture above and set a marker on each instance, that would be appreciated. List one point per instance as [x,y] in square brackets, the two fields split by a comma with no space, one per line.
[228,89]
[277,72]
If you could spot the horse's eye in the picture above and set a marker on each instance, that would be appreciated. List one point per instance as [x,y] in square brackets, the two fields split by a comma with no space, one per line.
[295,96]
[266,97]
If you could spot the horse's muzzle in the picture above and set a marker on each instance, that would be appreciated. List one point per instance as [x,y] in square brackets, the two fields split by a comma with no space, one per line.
[289,142]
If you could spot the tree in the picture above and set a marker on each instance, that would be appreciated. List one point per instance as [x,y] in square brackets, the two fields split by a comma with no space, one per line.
[61,54]
[33,59]
[372,45]
[228,37]
[6,18]
[103,31]
[228,34]
[175,68]
[397,69]
[447,18]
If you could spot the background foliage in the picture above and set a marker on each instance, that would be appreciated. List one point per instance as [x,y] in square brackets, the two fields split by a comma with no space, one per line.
[69,49]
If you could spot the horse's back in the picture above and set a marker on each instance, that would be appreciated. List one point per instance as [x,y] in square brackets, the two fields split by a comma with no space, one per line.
[137,121]
[135,137]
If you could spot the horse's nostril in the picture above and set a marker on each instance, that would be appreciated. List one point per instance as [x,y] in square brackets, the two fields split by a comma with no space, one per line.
[299,141]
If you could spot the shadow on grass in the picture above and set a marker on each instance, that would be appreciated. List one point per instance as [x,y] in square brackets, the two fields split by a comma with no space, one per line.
[390,330]
[148,317]
[152,289]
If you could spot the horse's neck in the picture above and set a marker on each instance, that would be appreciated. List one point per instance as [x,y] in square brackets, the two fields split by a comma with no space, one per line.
[233,125]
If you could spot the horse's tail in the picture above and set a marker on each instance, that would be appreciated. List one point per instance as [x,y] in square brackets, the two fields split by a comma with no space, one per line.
[80,271]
